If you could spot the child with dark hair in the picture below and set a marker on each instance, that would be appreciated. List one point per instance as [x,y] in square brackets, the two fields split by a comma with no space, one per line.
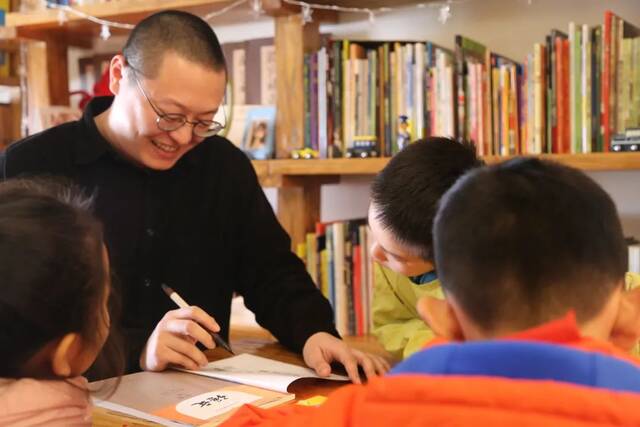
[532,261]
[404,199]
[54,307]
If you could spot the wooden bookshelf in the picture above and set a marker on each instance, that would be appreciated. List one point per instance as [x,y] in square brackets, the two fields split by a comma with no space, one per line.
[298,181]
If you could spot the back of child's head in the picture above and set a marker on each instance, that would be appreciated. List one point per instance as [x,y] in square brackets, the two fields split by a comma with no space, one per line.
[405,194]
[523,242]
[54,276]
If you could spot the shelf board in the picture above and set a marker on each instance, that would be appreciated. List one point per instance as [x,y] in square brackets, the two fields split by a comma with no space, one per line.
[588,162]
[9,45]
[330,167]
[9,81]
[327,166]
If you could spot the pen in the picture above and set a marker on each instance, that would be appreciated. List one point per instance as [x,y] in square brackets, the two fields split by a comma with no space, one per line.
[183,304]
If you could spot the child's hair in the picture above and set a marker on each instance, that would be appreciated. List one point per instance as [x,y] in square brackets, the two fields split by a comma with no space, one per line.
[523,242]
[53,278]
[407,191]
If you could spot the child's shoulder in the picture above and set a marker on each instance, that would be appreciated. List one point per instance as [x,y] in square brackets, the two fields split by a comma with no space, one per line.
[631,280]
[28,401]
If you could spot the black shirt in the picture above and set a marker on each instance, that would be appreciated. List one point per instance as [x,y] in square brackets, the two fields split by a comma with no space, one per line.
[203,227]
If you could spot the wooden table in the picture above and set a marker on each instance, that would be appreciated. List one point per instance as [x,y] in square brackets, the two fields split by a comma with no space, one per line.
[260,343]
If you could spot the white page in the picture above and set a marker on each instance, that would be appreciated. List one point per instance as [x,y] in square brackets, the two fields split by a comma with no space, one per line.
[135,413]
[259,372]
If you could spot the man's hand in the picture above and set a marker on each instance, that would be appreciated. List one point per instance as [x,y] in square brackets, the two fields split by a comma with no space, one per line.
[173,341]
[322,348]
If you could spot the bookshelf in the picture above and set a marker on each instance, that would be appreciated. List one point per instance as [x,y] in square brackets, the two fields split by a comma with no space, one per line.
[268,169]
[10,114]
[298,181]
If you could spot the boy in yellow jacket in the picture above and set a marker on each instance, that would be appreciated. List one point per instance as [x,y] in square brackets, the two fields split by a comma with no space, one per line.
[404,200]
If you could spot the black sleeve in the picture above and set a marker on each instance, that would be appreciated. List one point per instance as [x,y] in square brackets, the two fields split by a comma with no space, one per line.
[133,342]
[3,164]
[273,280]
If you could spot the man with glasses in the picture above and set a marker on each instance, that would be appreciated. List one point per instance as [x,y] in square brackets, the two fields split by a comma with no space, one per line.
[182,207]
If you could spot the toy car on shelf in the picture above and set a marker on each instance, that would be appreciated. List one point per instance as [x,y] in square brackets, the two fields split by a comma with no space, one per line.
[363,147]
[304,153]
[627,141]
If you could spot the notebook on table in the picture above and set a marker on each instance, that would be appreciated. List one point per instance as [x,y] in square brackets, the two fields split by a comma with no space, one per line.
[213,394]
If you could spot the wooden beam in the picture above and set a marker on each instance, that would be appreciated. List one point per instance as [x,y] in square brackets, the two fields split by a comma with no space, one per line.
[299,210]
[292,39]
[38,91]
[57,71]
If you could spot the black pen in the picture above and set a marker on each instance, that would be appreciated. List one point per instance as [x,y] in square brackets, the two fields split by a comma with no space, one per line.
[183,304]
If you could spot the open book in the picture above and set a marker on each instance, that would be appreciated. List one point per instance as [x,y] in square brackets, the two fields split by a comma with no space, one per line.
[260,372]
[174,398]
[177,399]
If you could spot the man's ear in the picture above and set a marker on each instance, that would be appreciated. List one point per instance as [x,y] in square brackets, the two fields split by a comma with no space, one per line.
[116,73]
[626,328]
[64,354]
[441,317]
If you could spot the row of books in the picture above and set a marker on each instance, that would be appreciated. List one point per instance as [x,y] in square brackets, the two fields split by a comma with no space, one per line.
[571,95]
[4,56]
[583,87]
[337,258]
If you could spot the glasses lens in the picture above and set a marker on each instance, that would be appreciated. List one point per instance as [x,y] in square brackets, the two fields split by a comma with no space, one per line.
[169,122]
[205,129]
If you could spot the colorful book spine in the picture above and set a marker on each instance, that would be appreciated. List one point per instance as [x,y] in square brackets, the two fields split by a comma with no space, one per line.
[586,90]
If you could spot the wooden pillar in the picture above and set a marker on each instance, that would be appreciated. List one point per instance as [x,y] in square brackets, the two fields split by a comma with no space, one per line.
[292,40]
[10,113]
[38,83]
[298,197]
[299,208]
[57,71]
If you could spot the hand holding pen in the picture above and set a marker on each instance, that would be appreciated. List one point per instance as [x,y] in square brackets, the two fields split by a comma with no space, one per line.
[183,304]
[173,341]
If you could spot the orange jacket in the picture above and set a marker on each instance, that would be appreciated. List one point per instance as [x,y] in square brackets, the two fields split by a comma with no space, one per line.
[580,382]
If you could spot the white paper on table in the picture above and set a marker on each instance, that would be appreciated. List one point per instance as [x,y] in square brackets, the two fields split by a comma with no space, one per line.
[260,372]
[209,405]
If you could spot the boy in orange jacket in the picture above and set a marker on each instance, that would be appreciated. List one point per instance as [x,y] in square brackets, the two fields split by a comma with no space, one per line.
[535,323]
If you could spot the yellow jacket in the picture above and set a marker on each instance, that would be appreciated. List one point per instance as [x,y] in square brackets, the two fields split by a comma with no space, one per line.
[396,322]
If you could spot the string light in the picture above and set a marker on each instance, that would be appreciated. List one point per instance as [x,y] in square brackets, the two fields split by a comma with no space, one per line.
[306,14]
[364,10]
[105,32]
[73,11]
[444,13]
[256,7]
[215,14]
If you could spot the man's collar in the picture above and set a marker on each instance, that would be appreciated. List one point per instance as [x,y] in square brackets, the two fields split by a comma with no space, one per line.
[89,149]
